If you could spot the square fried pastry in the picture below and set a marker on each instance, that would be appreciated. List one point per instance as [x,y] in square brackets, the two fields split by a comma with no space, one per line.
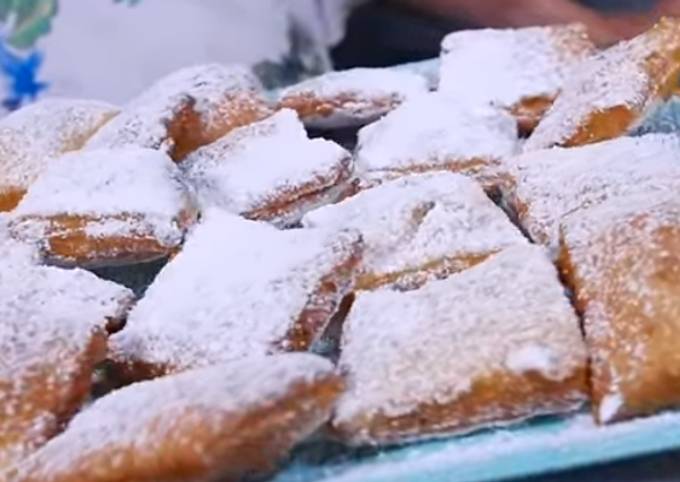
[551,183]
[609,94]
[53,328]
[237,288]
[187,109]
[521,70]
[351,98]
[621,260]
[420,227]
[218,423]
[491,345]
[106,207]
[435,133]
[33,135]
[270,171]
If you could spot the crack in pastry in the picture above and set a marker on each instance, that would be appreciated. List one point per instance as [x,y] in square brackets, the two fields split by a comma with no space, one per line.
[521,70]
[620,259]
[238,288]
[106,207]
[185,110]
[420,227]
[351,98]
[270,171]
[436,133]
[219,423]
[609,94]
[551,183]
[491,345]
[53,328]
[33,135]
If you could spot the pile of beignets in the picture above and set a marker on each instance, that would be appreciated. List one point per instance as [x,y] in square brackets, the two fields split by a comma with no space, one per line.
[497,247]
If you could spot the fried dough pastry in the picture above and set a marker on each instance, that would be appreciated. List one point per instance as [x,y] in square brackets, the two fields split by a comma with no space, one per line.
[420,227]
[53,326]
[552,183]
[435,133]
[611,93]
[494,344]
[238,288]
[351,98]
[106,207]
[621,260]
[521,70]
[270,171]
[218,423]
[33,135]
[187,109]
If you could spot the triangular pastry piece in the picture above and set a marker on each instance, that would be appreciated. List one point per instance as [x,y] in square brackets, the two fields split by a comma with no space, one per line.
[611,93]
[620,259]
[494,344]
[351,98]
[37,133]
[434,133]
[106,207]
[186,109]
[551,183]
[521,70]
[53,327]
[270,171]
[238,288]
[420,227]
[219,423]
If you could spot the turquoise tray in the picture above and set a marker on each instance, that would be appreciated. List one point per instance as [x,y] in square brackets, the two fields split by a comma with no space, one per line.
[540,447]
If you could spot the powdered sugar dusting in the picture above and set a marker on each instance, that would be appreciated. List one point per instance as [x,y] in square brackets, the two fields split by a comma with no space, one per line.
[617,77]
[265,164]
[415,221]
[142,185]
[403,349]
[47,319]
[205,89]
[148,417]
[356,96]
[33,135]
[625,273]
[433,132]
[236,289]
[552,183]
[503,67]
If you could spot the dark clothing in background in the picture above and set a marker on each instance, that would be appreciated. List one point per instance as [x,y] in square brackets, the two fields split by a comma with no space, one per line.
[380,34]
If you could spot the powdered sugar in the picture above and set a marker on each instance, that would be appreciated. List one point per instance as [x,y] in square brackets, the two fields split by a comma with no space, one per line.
[354,97]
[149,417]
[504,67]
[47,320]
[433,132]
[552,183]
[414,222]
[617,77]
[268,165]
[237,288]
[33,135]
[140,185]
[204,89]
[429,346]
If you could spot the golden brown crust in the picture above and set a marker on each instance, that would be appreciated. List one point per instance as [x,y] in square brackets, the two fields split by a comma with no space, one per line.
[631,324]
[258,438]
[500,397]
[41,397]
[414,278]
[10,197]
[310,106]
[68,243]
[529,112]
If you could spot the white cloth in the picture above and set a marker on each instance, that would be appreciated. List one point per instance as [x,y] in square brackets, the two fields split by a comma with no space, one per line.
[112,50]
